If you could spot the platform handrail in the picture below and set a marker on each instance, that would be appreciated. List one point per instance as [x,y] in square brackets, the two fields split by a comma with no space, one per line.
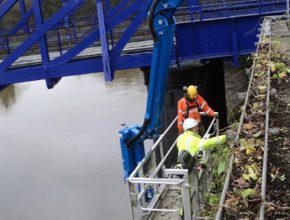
[146,158]
[140,181]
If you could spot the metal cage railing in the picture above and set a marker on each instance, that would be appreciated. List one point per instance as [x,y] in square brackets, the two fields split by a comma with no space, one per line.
[152,181]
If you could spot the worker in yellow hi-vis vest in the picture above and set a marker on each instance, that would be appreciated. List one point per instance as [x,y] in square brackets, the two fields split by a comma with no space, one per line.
[189,144]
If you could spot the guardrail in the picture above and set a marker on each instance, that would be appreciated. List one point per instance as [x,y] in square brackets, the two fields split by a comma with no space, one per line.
[265,33]
[152,181]
[266,137]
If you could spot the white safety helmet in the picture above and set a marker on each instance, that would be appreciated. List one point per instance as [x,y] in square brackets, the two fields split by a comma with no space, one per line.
[189,123]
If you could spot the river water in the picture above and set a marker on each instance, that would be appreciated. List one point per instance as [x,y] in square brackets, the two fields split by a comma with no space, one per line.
[60,157]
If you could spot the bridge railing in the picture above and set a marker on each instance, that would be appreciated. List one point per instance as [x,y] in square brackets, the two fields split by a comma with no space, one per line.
[152,181]
[74,29]
[209,9]
[59,38]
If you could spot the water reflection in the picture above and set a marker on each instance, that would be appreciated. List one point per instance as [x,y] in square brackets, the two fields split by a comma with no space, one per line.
[59,155]
[8,97]
[123,82]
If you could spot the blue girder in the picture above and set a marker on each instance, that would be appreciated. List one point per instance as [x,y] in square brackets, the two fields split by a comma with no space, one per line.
[6,6]
[238,19]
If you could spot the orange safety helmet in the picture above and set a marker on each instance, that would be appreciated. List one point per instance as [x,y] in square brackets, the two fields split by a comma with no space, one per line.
[191,93]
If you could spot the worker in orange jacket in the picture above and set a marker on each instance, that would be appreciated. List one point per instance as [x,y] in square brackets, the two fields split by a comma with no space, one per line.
[190,105]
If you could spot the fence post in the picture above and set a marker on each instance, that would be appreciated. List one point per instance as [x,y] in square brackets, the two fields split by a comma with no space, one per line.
[7,45]
[59,42]
[195,194]
[287,13]
[186,201]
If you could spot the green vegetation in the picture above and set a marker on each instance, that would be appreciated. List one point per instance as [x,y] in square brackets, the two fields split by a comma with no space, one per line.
[220,160]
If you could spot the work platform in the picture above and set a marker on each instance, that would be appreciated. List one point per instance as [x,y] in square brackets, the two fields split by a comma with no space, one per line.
[159,192]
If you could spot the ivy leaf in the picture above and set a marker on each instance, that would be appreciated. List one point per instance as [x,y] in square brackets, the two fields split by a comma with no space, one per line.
[250,150]
[273,177]
[280,66]
[221,167]
[248,192]
[262,88]
[282,75]
[282,177]
[257,134]
[250,169]
[213,199]
[246,176]
[253,176]
[275,76]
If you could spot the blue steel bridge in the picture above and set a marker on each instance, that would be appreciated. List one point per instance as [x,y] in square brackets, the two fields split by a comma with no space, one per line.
[69,41]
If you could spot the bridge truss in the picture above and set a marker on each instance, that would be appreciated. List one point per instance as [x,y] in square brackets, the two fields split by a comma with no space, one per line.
[69,41]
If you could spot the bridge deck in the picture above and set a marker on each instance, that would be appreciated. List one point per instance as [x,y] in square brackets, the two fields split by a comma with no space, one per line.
[35,59]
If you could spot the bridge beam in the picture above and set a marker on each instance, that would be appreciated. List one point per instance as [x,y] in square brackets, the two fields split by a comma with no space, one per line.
[128,33]
[23,15]
[107,69]
[6,6]
[50,83]
[217,38]
[76,67]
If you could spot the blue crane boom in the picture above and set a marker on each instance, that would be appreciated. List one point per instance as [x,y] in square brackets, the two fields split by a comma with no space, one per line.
[162,26]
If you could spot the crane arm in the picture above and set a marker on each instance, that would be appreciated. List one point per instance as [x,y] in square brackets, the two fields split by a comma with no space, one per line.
[162,27]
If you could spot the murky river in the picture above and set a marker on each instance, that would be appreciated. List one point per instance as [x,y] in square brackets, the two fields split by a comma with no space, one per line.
[60,157]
